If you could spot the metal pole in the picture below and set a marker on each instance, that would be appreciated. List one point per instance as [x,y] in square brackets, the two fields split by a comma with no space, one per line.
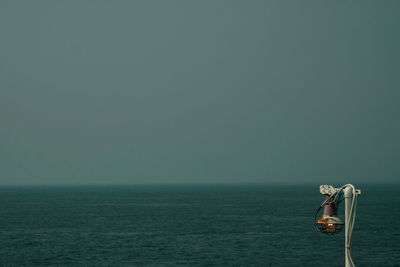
[348,197]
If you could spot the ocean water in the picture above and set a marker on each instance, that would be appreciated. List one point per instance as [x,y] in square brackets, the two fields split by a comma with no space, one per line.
[189,226]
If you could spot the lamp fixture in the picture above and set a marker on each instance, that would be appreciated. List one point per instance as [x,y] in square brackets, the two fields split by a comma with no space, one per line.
[330,223]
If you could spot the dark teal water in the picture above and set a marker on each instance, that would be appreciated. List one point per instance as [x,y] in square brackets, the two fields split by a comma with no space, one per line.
[189,226]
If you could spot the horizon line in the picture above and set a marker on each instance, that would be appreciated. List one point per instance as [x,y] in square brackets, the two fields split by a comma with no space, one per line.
[308,183]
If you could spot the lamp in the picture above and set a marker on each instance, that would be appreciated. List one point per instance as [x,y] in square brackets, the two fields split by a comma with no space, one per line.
[330,223]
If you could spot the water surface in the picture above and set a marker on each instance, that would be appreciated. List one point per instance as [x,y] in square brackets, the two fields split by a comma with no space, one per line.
[189,226]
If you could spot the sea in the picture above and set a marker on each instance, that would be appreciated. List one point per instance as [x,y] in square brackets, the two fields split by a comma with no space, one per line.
[190,225]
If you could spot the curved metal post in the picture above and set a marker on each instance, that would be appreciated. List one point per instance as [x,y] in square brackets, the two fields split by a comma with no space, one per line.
[348,198]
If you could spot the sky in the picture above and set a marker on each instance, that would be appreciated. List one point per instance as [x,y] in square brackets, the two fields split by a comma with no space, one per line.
[144,92]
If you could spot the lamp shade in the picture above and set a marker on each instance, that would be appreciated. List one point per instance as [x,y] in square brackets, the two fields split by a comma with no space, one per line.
[329,223]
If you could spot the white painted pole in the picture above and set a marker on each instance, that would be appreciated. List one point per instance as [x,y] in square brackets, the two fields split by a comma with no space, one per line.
[348,198]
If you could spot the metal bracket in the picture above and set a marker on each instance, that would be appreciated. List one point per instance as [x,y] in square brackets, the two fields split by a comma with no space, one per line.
[327,190]
[330,190]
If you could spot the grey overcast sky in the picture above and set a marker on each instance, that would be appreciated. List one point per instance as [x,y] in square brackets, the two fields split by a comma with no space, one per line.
[199,91]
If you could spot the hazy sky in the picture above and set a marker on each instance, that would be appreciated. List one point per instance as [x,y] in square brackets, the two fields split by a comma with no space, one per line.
[199,91]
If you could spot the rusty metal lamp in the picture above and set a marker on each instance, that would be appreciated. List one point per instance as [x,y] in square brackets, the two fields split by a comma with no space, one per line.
[330,223]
